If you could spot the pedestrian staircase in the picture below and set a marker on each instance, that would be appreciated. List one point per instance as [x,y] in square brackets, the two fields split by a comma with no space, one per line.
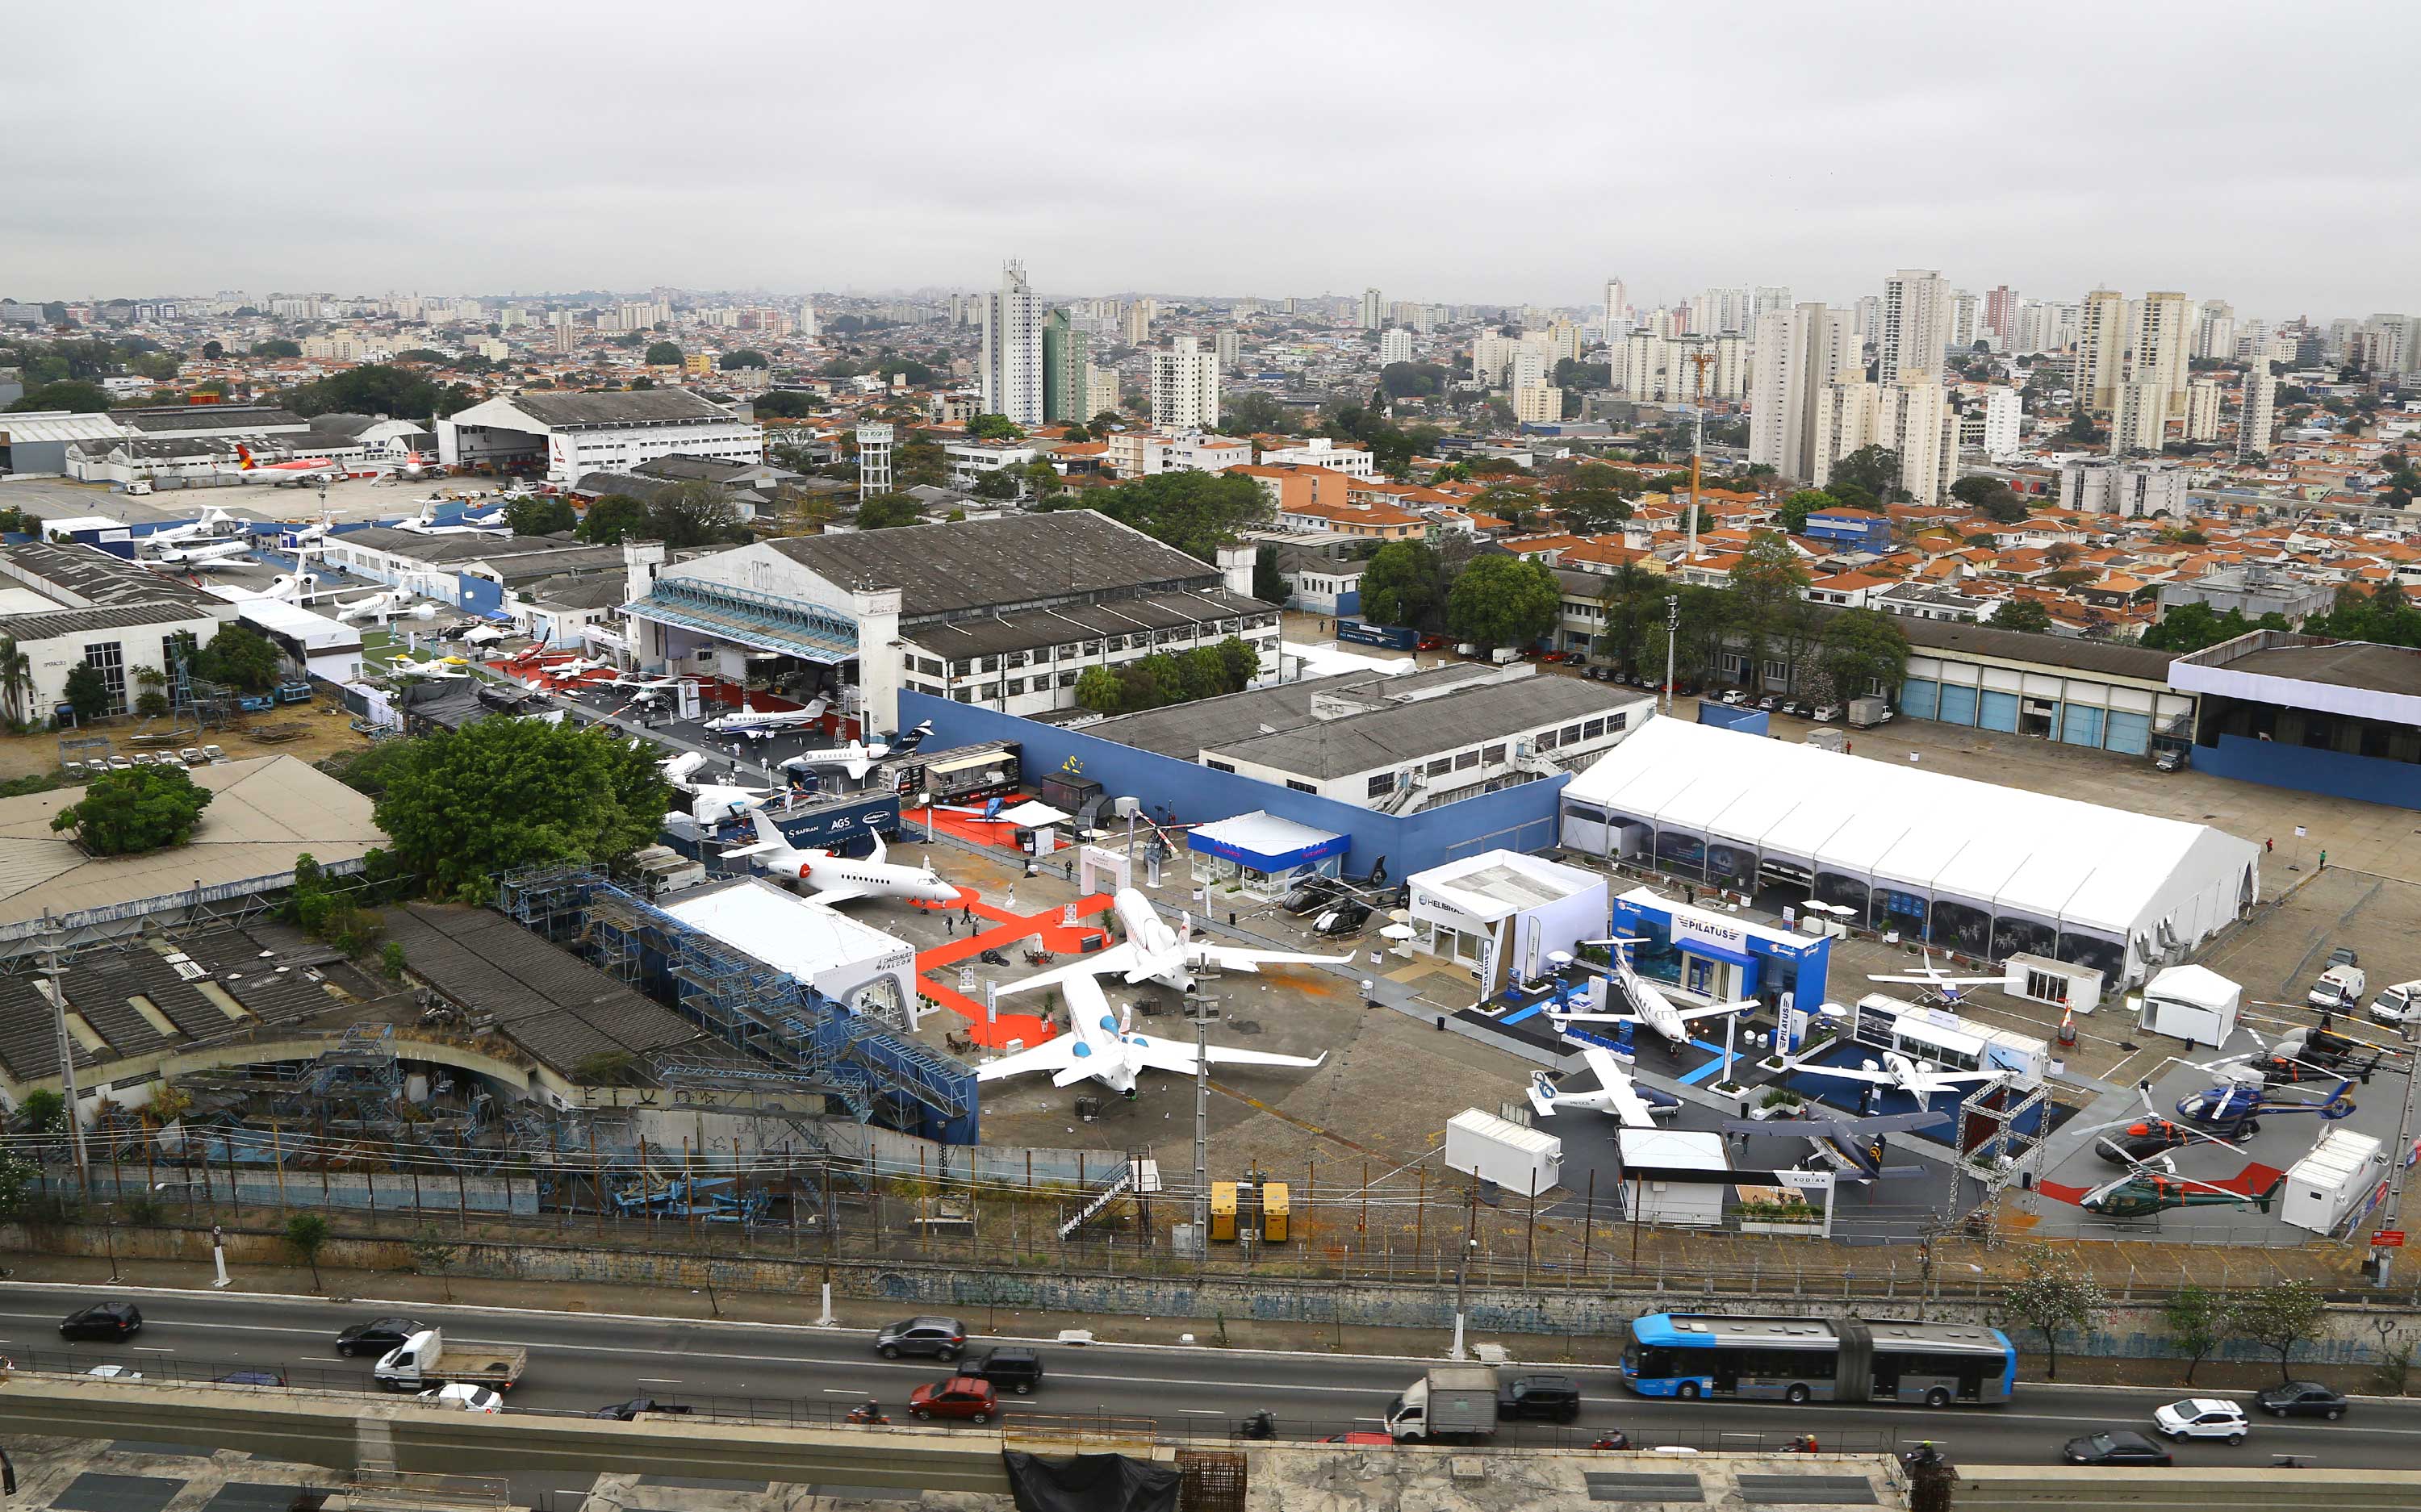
[1139,1178]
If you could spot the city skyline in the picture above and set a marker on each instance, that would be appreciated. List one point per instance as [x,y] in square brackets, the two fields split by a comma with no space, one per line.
[347,162]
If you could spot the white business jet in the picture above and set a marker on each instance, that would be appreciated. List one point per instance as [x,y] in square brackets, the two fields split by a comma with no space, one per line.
[857,759]
[1638,1107]
[837,878]
[207,556]
[709,803]
[1103,1046]
[763,724]
[385,606]
[436,667]
[214,524]
[1945,986]
[1153,951]
[1919,1078]
[1655,1010]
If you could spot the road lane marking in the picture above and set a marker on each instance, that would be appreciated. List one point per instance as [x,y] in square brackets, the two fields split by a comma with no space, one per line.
[658,1380]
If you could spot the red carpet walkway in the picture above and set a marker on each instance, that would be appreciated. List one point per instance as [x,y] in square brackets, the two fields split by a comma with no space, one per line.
[1043,929]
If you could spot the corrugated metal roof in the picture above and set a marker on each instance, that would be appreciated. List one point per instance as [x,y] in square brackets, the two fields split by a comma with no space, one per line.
[1408,732]
[59,424]
[1015,560]
[635,407]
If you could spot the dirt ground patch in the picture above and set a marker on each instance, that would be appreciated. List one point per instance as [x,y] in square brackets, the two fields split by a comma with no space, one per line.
[320,729]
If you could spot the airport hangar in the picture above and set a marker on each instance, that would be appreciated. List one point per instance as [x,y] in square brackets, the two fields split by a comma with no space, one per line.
[2303,711]
[1987,871]
[567,436]
[1006,613]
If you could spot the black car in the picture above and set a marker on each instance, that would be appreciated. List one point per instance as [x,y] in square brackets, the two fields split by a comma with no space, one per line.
[378,1335]
[1009,1370]
[940,1337]
[2301,1398]
[625,1411]
[103,1320]
[2117,1446]
[1551,1398]
[2343,955]
[1345,918]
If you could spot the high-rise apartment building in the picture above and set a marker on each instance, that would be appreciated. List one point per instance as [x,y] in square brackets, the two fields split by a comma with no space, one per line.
[2256,417]
[1231,348]
[1184,387]
[1728,376]
[1529,368]
[1394,345]
[2101,350]
[2215,331]
[2136,416]
[2004,421]
[1967,320]
[1134,324]
[1799,356]
[1538,404]
[2202,409]
[1617,308]
[2001,312]
[1910,416]
[1770,298]
[1564,338]
[1374,310]
[2163,347]
[1490,356]
[1101,388]
[1067,359]
[1915,324]
[1012,368]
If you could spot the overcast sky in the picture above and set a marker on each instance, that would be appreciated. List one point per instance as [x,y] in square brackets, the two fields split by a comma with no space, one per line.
[2257,153]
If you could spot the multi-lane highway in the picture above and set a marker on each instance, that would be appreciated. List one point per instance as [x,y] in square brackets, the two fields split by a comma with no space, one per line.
[579,1363]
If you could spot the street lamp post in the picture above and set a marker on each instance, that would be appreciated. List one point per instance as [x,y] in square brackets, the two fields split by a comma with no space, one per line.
[1462,1271]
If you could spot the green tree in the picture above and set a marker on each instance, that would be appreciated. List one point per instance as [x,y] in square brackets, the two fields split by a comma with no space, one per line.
[921,463]
[1242,662]
[2027,615]
[128,813]
[1764,581]
[1412,380]
[213,351]
[432,1251]
[614,518]
[1100,691]
[2191,626]
[1404,583]
[1195,512]
[994,428]
[241,657]
[378,389]
[1204,673]
[1268,583]
[1634,600]
[276,347]
[1862,648]
[695,513]
[2199,1318]
[467,805]
[391,960]
[784,404]
[664,355]
[66,394]
[87,691]
[541,514]
[2051,1295]
[1596,498]
[999,484]
[888,511]
[2283,1315]
[744,357]
[20,1178]
[1504,601]
[1106,420]
[306,1234]
[1875,469]
[45,1112]
[1253,413]
[1792,513]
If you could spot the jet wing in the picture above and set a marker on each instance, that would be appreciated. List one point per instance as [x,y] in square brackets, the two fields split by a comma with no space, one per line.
[1850,1073]
[1230,957]
[1719,1009]
[1117,959]
[1176,1055]
[1056,1054]
[838,893]
[1629,1105]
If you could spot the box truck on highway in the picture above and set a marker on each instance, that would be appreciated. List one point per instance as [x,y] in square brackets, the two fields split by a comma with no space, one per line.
[1452,1404]
[429,1359]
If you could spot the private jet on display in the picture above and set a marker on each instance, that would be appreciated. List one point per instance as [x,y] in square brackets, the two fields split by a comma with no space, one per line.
[1153,951]
[1855,1146]
[834,877]
[1655,1010]
[1103,1046]
[436,667]
[205,556]
[709,803]
[764,724]
[251,469]
[385,606]
[214,524]
[1920,1080]
[425,522]
[856,759]
[1637,1106]
[1947,987]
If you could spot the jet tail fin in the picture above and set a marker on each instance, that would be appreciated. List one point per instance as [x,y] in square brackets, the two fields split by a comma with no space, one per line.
[879,851]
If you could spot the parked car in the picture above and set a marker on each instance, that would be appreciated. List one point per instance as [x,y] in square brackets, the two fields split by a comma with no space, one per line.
[1018,1370]
[2117,1446]
[1795,708]
[1547,1398]
[1769,703]
[1733,697]
[942,1338]
[2202,1417]
[378,1335]
[1430,643]
[462,1396]
[102,1321]
[2344,956]
[625,1411]
[1826,713]
[250,1377]
[1346,918]
[2170,759]
[965,1397]
[2301,1398]
[115,1373]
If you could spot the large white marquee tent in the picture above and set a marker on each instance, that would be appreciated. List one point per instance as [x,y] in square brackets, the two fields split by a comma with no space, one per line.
[1985,870]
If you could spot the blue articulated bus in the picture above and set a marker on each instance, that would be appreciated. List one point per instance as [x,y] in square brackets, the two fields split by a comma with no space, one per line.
[1693,1355]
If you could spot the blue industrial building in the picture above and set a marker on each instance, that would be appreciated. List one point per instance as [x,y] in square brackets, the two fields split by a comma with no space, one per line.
[2302,711]
[1850,529]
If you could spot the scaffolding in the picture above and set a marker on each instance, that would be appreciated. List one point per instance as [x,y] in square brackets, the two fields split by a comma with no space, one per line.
[768,1016]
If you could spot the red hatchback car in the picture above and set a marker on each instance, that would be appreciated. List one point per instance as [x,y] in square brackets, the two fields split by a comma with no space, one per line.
[967,1397]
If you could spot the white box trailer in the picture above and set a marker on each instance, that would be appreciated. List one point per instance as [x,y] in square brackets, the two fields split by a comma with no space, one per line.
[2194,1004]
[1521,1161]
[2338,1177]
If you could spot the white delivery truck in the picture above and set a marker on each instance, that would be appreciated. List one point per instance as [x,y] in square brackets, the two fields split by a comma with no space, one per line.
[1521,1161]
[1450,1404]
[428,1359]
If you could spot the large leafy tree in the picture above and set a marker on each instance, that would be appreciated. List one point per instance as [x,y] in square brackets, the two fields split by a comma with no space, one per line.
[1100,691]
[1792,513]
[241,658]
[1404,584]
[1872,470]
[1764,581]
[994,428]
[86,691]
[1195,512]
[1595,497]
[541,514]
[1862,646]
[613,518]
[744,357]
[66,394]
[2054,1295]
[694,514]
[126,813]
[1634,600]
[1504,601]
[888,511]
[665,354]
[2027,615]
[377,389]
[464,805]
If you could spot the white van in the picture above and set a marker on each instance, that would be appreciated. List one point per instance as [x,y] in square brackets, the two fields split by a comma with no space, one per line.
[2399,1005]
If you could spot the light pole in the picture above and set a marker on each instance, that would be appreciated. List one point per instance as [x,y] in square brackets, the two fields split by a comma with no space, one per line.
[1462,1271]
[1672,634]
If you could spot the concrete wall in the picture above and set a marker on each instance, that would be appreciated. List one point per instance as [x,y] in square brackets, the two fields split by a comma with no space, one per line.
[2370,779]
[1518,818]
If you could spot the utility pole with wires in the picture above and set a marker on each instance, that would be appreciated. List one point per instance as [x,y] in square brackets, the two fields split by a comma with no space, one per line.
[58,994]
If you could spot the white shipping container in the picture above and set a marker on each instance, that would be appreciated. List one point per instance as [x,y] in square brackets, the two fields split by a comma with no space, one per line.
[2330,1182]
[1521,1161]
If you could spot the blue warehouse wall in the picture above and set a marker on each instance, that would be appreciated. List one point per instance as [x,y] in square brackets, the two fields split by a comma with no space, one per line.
[1518,818]
[2371,779]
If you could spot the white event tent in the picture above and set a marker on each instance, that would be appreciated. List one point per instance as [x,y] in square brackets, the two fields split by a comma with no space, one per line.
[1985,870]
